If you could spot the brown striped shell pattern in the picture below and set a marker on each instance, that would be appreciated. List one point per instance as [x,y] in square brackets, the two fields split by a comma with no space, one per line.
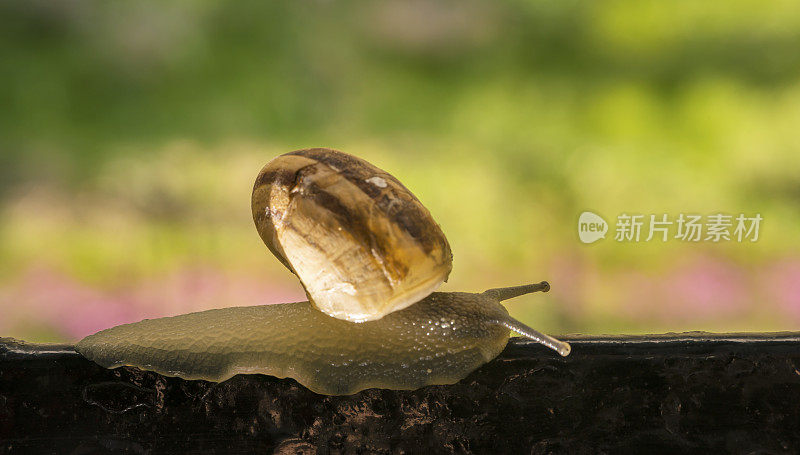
[360,242]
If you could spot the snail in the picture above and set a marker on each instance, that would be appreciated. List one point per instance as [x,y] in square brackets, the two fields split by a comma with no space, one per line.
[370,258]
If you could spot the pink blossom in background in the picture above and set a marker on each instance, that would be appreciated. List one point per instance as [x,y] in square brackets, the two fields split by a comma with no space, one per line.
[43,297]
[708,288]
[74,309]
[781,282]
[639,294]
[570,277]
[704,288]
[201,288]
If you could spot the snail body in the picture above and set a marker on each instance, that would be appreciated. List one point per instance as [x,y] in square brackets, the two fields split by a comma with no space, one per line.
[369,257]
[438,340]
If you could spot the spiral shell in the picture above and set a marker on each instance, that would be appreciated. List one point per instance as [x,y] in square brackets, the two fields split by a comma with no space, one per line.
[360,242]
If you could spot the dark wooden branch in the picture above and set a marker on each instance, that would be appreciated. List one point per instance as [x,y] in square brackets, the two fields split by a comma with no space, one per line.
[636,394]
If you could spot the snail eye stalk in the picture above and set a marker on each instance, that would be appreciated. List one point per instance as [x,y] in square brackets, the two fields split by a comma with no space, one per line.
[561,347]
[501,294]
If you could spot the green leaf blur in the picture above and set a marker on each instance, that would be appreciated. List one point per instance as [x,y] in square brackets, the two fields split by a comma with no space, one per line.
[131,133]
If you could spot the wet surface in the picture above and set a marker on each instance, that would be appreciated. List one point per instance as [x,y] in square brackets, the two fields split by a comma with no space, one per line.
[662,394]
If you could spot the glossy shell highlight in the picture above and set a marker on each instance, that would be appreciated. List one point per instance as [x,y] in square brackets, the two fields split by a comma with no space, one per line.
[360,242]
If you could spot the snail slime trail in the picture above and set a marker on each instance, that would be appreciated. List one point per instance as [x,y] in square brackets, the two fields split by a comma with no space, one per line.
[369,257]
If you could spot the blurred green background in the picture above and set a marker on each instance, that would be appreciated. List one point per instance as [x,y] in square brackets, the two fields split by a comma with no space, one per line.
[131,134]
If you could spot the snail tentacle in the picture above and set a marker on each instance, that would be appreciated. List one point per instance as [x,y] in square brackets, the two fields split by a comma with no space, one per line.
[510,323]
[562,347]
[501,294]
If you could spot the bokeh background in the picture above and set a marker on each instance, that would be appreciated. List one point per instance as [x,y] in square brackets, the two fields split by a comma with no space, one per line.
[131,134]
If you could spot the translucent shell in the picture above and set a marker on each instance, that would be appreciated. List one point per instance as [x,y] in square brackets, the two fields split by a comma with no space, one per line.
[361,243]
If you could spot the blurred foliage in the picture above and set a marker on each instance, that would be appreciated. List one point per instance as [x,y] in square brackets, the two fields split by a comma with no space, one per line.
[130,134]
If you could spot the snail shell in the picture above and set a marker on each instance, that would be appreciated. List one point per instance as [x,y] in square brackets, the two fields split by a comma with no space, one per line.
[361,243]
